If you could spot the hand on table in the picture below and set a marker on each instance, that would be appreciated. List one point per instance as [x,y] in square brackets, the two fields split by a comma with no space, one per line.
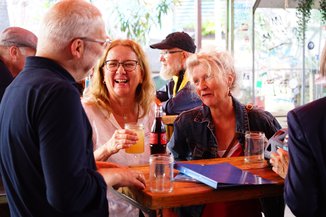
[123,177]
[280,162]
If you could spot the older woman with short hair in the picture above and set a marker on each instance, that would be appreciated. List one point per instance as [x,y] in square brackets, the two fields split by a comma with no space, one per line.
[217,128]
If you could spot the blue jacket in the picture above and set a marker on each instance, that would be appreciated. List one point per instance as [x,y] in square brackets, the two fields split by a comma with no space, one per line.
[193,136]
[305,184]
[185,98]
[46,151]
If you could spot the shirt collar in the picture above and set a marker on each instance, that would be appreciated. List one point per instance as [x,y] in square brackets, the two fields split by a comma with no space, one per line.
[37,61]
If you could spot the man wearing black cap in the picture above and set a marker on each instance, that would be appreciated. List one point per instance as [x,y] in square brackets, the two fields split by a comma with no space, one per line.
[15,45]
[177,95]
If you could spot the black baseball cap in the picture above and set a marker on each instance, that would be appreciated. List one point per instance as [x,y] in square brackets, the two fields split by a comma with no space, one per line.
[177,39]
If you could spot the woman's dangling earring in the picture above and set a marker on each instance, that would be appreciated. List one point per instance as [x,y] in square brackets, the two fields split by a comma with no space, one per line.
[103,82]
[229,94]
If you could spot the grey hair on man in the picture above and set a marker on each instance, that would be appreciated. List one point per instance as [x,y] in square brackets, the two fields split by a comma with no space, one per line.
[17,36]
[54,35]
[16,44]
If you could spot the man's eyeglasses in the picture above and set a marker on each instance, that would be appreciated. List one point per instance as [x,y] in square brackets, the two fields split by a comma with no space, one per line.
[164,53]
[128,65]
[103,43]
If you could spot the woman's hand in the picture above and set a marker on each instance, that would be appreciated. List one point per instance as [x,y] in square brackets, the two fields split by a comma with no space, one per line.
[123,177]
[121,139]
[280,162]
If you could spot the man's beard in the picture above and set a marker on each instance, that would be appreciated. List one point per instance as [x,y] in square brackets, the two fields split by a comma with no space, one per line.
[166,73]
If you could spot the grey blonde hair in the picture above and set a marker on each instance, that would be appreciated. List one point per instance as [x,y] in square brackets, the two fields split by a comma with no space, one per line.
[215,62]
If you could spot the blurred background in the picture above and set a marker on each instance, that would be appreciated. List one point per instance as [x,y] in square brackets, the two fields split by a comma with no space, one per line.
[276,44]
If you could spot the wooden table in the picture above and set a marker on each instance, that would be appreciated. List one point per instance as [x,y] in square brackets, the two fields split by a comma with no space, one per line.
[187,193]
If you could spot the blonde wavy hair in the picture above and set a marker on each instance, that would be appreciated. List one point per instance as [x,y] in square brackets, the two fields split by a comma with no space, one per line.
[145,92]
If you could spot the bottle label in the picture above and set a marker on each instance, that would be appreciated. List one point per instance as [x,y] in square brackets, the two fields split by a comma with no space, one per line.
[153,139]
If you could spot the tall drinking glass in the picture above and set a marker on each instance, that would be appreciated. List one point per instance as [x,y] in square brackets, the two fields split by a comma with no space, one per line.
[138,147]
[254,146]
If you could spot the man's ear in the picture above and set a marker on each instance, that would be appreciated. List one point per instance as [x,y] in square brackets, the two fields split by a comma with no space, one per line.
[184,57]
[14,52]
[77,48]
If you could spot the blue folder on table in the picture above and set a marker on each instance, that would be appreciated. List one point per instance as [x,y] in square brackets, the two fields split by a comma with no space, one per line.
[220,175]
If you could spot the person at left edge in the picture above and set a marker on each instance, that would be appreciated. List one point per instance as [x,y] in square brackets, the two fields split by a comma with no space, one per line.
[15,45]
[46,151]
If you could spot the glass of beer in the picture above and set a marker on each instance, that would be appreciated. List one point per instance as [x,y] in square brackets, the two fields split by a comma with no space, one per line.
[137,148]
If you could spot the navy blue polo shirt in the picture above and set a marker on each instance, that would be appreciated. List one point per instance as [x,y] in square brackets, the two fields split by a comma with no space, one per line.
[46,151]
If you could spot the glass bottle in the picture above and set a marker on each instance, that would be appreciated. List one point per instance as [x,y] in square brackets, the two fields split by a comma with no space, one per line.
[158,133]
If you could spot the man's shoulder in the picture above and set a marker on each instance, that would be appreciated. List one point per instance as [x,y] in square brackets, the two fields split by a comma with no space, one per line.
[42,78]
[314,110]
[189,91]
[40,85]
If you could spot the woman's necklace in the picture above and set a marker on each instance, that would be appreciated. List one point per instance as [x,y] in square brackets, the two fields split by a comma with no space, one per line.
[120,118]
[125,117]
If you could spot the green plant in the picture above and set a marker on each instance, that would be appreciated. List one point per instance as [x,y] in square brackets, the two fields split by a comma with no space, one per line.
[136,26]
[163,8]
[303,14]
[322,9]
[208,28]
[138,21]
